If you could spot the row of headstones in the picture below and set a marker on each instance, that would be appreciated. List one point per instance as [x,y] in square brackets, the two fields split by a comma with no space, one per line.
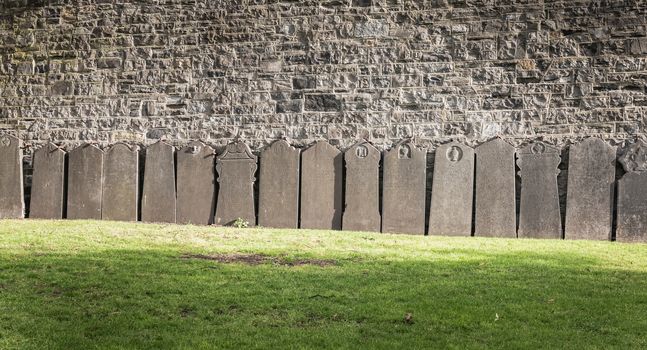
[304,189]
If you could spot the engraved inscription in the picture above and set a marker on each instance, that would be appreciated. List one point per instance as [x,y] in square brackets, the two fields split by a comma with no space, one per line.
[454,154]
[404,152]
[361,151]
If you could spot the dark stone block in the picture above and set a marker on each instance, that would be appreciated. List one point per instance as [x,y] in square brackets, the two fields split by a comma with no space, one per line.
[321,187]
[158,195]
[84,183]
[47,183]
[278,195]
[322,103]
[404,184]
[300,83]
[120,183]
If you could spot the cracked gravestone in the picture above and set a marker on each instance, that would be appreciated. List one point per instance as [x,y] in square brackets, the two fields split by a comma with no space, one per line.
[84,182]
[589,202]
[158,195]
[539,215]
[47,183]
[278,194]
[12,202]
[452,191]
[120,183]
[236,167]
[321,187]
[495,213]
[404,185]
[196,191]
[632,195]
[362,212]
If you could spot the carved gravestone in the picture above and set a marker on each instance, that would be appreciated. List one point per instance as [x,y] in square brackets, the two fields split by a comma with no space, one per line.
[362,212]
[12,202]
[278,195]
[452,191]
[196,192]
[47,183]
[632,195]
[589,202]
[120,183]
[321,187]
[158,195]
[84,183]
[495,190]
[539,215]
[404,185]
[236,168]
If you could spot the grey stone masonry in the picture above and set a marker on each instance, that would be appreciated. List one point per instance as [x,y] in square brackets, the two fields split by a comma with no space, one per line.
[135,71]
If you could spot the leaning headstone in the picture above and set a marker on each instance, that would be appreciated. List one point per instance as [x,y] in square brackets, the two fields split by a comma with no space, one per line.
[47,183]
[278,193]
[403,189]
[196,195]
[589,202]
[321,187]
[236,168]
[539,215]
[632,195]
[120,183]
[158,195]
[452,191]
[12,202]
[495,190]
[362,211]
[84,182]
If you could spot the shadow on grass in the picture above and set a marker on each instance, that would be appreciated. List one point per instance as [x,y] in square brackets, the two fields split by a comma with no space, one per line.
[156,299]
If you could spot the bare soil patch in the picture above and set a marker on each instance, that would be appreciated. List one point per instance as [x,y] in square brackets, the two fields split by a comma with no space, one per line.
[257,259]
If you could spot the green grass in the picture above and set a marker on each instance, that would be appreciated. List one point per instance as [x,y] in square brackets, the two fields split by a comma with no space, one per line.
[87,284]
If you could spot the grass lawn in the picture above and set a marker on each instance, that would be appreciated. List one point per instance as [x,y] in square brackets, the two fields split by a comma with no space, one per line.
[93,284]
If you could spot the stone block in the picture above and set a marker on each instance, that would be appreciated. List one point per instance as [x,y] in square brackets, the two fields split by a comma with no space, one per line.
[278,194]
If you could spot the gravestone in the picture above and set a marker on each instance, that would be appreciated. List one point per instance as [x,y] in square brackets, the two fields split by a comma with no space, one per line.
[47,183]
[495,190]
[539,215]
[236,168]
[196,192]
[158,195]
[632,195]
[278,194]
[589,202]
[404,189]
[452,191]
[321,187]
[12,202]
[362,211]
[120,183]
[84,182]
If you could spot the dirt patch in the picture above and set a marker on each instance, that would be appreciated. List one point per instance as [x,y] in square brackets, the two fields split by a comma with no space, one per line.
[257,259]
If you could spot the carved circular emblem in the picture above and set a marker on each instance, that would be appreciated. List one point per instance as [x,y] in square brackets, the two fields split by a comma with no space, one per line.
[538,148]
[239,147]
[5,141]
[194,149]
[361,151]
[404,152]
[454,154]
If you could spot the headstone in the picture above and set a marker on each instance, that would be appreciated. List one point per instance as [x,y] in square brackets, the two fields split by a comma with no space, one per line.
[495,190]
[539,215]
[47,183]
[236,168]
[196,194]
[452,191]
[321,187]
[12,202]
[120,183]
[589,202]
[404,189]
[362,210]
[84,182]
[158,195]
[632,195]
[278,194]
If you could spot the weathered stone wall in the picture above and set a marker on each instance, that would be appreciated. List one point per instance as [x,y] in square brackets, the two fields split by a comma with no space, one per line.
[435,70]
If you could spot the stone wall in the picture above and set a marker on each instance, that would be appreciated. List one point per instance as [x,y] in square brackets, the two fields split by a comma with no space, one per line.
[434,70]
